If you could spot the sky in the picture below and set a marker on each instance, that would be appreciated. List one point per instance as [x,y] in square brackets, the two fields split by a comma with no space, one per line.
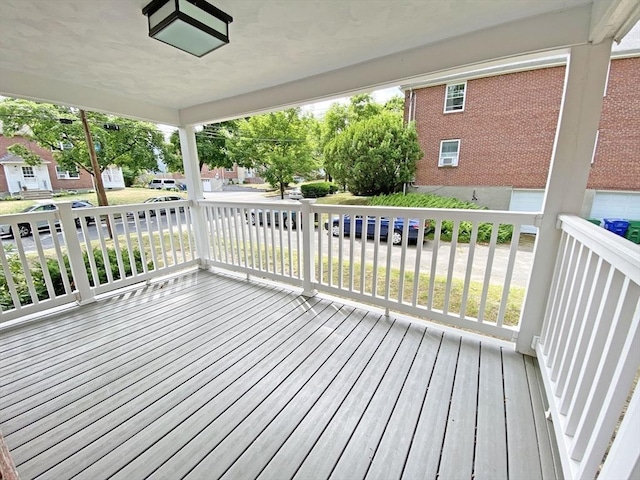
[381,96]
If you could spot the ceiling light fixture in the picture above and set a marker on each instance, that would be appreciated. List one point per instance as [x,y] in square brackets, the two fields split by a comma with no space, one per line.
[194,26]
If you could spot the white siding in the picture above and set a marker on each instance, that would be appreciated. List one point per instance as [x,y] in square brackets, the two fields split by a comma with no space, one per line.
[527,201]
[616,205]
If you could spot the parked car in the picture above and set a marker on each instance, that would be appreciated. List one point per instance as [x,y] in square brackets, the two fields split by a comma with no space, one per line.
[296,194]
[161,200]
[83,204]
[166,184]
[396,234]
[288,217]
[25,229]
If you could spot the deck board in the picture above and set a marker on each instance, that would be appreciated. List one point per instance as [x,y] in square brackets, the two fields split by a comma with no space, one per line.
[521,430]
[424,456]
[491,438]
[209,376]
[394,447]
[457,451]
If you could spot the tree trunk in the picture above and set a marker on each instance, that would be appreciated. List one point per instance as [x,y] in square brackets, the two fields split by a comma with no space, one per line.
[97,173]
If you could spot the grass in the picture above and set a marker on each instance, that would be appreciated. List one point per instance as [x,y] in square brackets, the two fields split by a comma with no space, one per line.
[515,296]
[342,198]
[115,197]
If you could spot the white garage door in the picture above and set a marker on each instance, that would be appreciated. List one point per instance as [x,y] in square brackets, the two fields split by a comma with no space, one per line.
[616,205]
[526,201]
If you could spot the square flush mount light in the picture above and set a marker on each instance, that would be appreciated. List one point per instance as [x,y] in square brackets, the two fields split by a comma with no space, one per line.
[190,25]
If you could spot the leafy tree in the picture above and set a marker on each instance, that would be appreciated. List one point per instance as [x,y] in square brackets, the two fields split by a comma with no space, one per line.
[211,143]
[336,121]
[395,104]
[276,144]
[376,155]
[130,144]
[362,107]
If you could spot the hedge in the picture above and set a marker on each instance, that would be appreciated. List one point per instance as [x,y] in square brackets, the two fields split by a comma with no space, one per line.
[419,200]
[318,189]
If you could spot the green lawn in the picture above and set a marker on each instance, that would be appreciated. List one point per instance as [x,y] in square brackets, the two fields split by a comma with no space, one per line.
[342,198]
[115,197]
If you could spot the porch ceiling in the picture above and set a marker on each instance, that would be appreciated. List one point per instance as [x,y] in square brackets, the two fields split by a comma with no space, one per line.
[97,54]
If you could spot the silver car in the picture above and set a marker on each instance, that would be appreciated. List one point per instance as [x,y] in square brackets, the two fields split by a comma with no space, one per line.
[296,194]
[24,229]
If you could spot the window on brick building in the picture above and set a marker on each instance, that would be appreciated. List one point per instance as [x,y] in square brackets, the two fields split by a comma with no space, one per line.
[449,151]
[65,174]
[454,99]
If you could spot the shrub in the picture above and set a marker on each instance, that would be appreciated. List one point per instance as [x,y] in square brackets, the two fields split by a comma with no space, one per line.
[318,189]
[19,281]
[418,200]
[19,278]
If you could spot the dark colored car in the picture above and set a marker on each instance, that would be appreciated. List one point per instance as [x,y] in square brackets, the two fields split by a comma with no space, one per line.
[161,200]
[288,217]
[396,233]
[83,204]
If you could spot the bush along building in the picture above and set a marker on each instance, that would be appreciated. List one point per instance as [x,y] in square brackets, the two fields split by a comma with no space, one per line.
[488,136]
[19,178]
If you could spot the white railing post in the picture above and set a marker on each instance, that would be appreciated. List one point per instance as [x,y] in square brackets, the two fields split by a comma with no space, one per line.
[623,460]
[308,249]
[84,293]
[568,174]
[194,190]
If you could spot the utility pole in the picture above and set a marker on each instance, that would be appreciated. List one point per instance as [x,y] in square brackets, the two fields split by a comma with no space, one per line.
[97,173]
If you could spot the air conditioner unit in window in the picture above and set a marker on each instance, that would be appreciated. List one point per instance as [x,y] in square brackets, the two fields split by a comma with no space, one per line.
[448,162]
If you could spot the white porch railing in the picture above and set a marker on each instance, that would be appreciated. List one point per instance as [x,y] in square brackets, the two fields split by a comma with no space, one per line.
[257,239]
[589,351]
[96,251]
[458,284]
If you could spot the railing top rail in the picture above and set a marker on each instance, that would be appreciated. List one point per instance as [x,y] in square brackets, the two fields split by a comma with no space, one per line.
[130,207]
[290,205]
[87,211]
[29,216]
[619,252]
[504,216]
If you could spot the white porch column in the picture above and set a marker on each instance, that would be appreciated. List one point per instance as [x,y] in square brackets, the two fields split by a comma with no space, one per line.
[568,174]
[194,188]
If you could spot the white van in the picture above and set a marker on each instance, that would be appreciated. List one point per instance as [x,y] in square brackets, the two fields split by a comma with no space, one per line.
[166,184]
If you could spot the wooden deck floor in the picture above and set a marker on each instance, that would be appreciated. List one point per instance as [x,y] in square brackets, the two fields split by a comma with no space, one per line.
[206,376]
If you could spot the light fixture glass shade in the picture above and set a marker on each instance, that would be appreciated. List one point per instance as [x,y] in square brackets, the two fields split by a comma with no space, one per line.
[194,26]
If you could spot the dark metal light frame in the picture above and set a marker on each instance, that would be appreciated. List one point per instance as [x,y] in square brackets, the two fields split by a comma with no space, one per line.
[176,14]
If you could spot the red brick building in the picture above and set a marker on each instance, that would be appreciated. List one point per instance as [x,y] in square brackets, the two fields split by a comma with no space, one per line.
[16,175]
[489,137]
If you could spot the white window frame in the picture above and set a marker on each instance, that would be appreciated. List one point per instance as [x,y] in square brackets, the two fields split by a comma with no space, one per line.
[454,158]
[28,172]
[446,97]
[66,174]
